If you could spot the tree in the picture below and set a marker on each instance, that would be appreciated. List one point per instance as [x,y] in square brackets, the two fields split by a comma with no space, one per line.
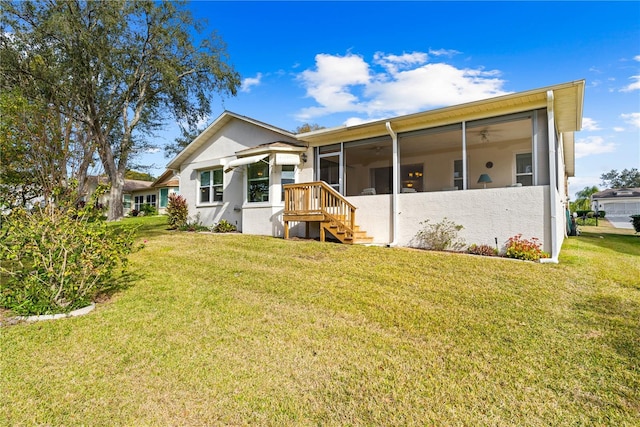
[140,176]
[583,199]
[128,67]
[188,134]
[627,178]
[308,127]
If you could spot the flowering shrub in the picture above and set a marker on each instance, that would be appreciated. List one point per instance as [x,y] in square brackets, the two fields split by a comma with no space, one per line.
[529,250]
[485,250]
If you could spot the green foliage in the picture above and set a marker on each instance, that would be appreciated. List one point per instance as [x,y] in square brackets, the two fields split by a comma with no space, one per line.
[441,236]
[55,260]
[485,250]
[148,210]
[122,66]
[528,250]
[194,224]
[635,219]
[140,176]
[627,178]
[223,226]
[589,220]
[177,211]
[583,199]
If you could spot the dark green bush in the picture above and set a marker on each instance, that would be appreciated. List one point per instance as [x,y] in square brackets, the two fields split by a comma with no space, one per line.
[601,214]
[177,211]
[55,260]
[635,219]
[584,213]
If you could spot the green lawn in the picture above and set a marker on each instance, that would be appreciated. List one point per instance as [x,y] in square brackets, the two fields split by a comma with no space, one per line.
[245,330]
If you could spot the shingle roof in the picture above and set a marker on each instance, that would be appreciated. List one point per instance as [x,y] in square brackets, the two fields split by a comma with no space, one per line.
[616,192]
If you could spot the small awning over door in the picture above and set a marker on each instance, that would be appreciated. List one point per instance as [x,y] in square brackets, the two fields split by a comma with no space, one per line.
[287,159]
[244,161]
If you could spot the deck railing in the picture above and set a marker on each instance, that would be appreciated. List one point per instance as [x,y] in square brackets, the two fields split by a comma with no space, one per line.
[318,198]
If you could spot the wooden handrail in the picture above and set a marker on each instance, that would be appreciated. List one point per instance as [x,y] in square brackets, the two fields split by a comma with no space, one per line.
[318,197]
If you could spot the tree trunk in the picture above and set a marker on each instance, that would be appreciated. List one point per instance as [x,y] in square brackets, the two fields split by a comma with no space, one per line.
[116,211]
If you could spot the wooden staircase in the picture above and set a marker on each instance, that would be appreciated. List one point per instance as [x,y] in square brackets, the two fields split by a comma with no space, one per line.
[318,202]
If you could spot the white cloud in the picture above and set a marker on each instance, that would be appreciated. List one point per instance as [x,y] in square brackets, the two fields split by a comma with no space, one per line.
[618,129]
[636,58]
[633,86]
[593,145]
[443,52]
[589,124]
[152,150]
[632,118]
[392,84]
[249,82]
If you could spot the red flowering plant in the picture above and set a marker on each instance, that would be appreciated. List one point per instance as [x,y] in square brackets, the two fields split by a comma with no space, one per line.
[528,250]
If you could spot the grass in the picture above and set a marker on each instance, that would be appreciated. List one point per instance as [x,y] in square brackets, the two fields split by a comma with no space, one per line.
[247,330]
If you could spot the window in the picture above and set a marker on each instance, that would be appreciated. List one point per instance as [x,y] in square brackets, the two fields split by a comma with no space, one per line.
[164,197]
[524,169]
[211,186]
[457,174]
[151,200]
[138,201]
[258,182]
[287,177]
[126,201]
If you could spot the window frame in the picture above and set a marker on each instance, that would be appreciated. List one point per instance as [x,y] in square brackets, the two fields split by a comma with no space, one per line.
[264,195]
[523,174]
[214,187]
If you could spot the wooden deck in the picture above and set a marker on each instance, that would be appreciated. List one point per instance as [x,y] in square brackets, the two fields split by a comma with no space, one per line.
[318,202]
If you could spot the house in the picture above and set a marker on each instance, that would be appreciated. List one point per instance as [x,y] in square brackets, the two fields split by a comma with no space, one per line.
[498,166]
[135,193]
[166,184]
[617,201]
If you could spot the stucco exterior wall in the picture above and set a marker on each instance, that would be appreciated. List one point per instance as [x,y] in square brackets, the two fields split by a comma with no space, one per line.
[217,151]
[485,214]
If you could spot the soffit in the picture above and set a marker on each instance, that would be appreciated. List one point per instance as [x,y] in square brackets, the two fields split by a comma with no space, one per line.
[568,100]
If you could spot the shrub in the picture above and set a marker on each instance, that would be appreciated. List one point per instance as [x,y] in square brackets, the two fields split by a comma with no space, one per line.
[193,225]
[635,219]
[529,250]
[54,261]
[148,210]
[485,250]
[589,221]
[601,214]
[583,213]
[440,237]
[223,226]
[177,211]
[134,212]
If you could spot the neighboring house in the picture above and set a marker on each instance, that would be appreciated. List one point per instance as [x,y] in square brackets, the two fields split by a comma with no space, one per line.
[509,157]
[617,201]
[136,193]
[166,184]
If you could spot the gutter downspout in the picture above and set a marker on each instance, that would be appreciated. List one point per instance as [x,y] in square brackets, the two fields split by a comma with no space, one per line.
[552,180]
[396,183]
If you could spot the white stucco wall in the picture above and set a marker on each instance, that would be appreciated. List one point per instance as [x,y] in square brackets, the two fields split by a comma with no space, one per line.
[237,135]
[485,214]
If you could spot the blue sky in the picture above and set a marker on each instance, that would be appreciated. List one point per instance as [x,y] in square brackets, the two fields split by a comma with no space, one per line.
[332,63]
